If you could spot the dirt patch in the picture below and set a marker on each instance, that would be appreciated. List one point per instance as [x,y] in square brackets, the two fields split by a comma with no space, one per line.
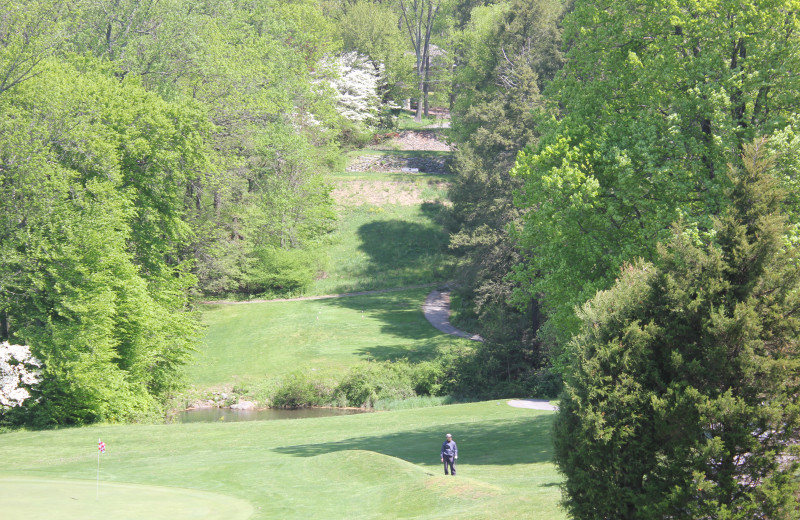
[415,140]
[398,163]
[379,193]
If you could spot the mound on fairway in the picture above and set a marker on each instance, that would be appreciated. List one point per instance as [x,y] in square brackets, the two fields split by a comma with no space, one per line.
[33,499]
[357,477]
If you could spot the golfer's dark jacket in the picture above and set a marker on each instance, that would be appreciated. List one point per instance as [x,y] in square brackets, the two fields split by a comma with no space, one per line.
[449,449]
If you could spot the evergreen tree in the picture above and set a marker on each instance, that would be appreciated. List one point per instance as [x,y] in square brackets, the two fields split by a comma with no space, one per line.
[682,399]
[508,52]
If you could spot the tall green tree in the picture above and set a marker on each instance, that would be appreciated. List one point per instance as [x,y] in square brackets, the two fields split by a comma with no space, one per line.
[89,232]
[507,54]
[682,393]
[418,18]
[30,31]
[254,70]
[653,99]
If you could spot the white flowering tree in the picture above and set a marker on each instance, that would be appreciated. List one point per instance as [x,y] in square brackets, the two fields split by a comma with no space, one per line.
[18,373]
[356,83]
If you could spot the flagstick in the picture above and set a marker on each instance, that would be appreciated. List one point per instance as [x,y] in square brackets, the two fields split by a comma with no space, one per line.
[97,496]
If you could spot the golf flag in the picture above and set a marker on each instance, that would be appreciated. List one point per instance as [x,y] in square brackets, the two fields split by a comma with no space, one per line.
[101,448]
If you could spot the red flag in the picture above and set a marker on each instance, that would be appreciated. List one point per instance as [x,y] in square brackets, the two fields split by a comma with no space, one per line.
[101,446]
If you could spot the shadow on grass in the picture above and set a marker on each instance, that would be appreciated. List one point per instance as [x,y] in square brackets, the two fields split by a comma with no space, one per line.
[399,315]
[499,442]
[425,352]
[399,244]
[402,253]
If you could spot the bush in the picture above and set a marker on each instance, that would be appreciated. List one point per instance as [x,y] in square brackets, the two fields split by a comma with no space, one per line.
[362,386]
[273,269]
[369,382]
[493,371]
[299,390]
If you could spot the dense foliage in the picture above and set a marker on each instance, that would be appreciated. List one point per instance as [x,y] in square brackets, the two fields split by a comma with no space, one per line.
[653,100]
[148,151]
[682,393]
[681,396]
[92,171]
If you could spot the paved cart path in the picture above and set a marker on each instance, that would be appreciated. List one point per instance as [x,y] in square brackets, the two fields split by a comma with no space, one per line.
[533,404]
[437,310]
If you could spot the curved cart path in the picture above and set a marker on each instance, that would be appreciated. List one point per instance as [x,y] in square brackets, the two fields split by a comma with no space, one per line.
[533,404]
[437,310]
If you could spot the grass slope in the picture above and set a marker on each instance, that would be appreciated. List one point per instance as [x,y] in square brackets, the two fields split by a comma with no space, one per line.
[381,465]
[257,341]
[384,247]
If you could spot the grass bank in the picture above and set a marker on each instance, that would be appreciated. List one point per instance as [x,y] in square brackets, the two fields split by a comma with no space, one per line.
[248,343]
[378,247]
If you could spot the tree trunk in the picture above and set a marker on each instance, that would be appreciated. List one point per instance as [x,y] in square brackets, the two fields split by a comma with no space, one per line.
[425,83]
[4,332]
[422,99]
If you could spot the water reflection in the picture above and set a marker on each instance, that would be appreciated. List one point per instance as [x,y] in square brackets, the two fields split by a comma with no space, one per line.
[270,414]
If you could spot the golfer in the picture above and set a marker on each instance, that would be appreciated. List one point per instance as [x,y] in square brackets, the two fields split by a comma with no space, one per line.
[449,454]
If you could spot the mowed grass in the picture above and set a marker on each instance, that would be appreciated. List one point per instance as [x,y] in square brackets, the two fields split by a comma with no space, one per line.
[379,465]
[262,341]
[389,245]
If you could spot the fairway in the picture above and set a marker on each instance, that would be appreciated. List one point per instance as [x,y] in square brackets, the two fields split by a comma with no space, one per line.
[388,234]
[378,465]
[49,499]
[260,341]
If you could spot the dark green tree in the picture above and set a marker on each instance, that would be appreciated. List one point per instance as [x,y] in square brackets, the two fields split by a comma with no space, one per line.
[507,53]
[682,395]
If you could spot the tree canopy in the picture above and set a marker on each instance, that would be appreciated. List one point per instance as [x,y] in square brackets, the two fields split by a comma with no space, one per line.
[653,99]
[150,151]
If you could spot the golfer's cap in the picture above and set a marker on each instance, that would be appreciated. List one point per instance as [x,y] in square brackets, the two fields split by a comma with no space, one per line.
[448,435]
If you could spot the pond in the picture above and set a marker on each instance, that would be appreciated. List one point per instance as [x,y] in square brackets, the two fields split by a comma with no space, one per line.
[269,414]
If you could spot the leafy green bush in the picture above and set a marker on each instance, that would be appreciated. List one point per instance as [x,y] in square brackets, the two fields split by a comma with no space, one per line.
[429,378]
[369,382]
[364,385]
[301,389]
[496,370]
[274,269]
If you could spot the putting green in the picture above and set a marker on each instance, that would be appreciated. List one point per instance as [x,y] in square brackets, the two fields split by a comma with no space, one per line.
[33,499]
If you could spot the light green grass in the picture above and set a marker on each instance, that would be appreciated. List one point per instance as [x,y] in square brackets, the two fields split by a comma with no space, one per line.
[260,341]
[380,465]
[386,247]
[31,498]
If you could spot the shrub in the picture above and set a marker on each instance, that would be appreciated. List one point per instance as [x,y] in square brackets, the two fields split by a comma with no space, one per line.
[299,390]
[274,269]
[368,382]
